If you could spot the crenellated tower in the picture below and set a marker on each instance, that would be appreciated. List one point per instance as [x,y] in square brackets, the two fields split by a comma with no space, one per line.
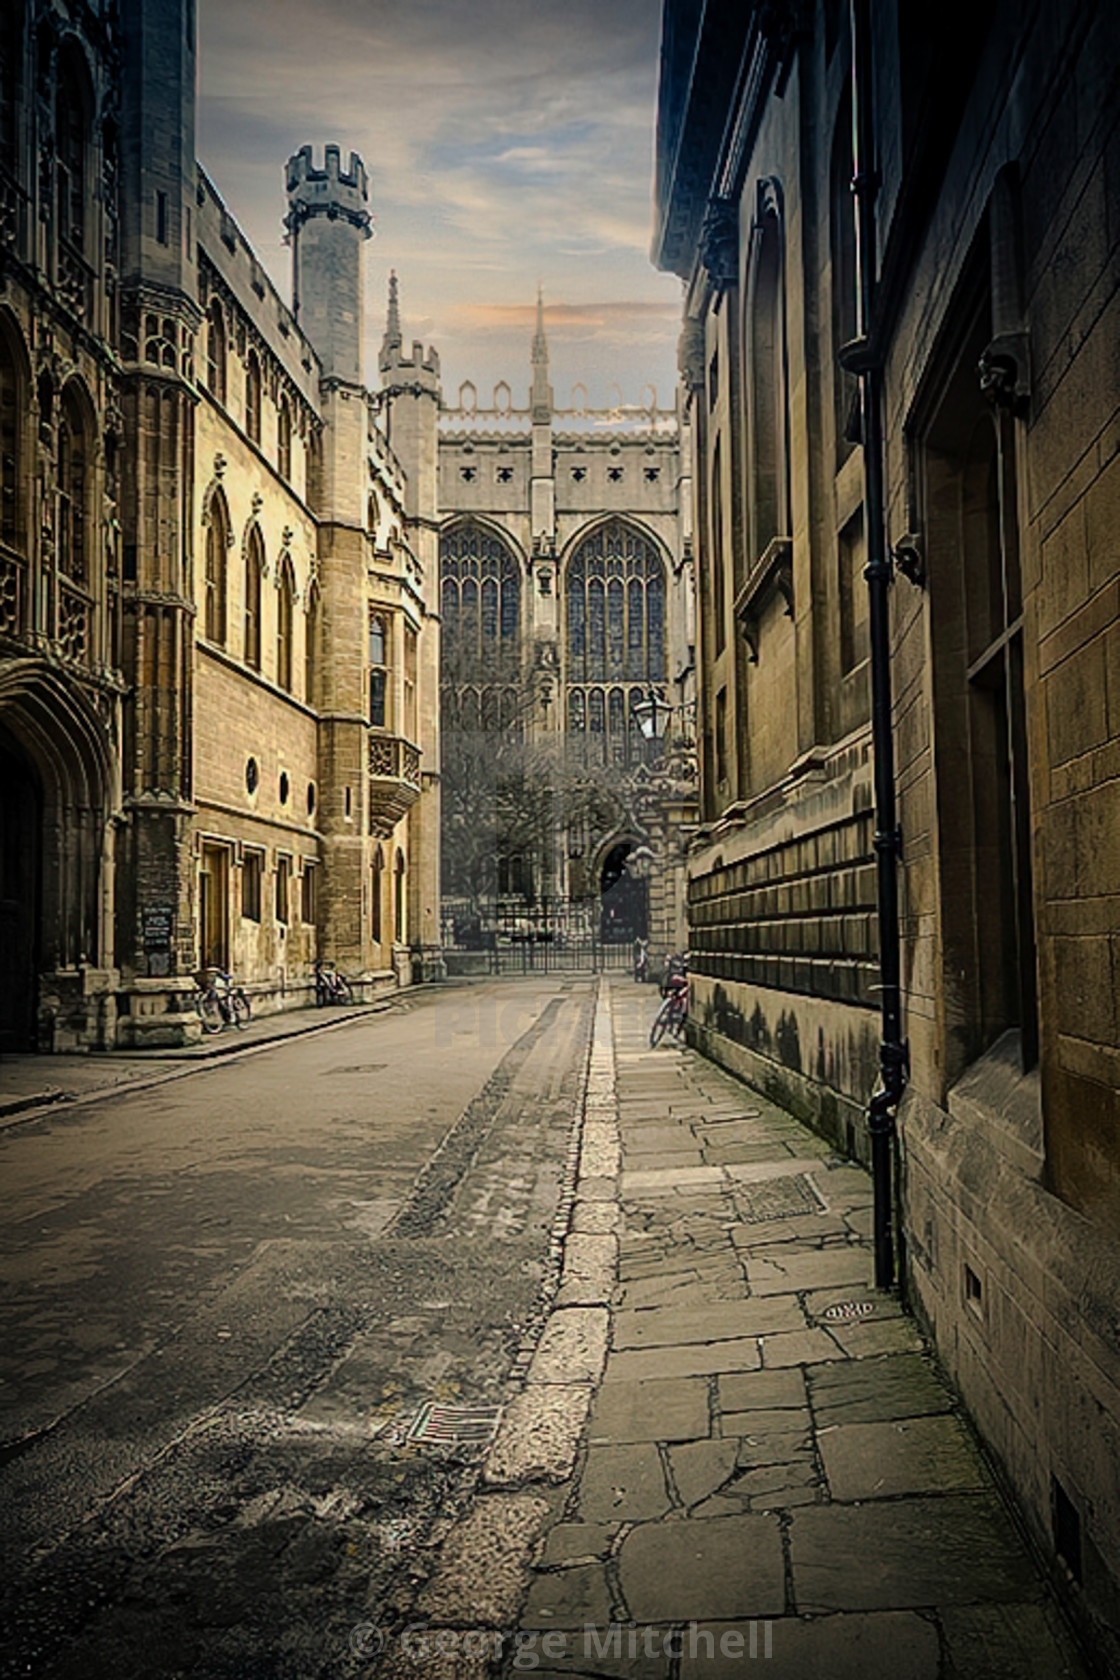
[327,223]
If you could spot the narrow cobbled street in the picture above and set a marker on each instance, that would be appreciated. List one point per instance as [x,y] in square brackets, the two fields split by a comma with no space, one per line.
[339,1359]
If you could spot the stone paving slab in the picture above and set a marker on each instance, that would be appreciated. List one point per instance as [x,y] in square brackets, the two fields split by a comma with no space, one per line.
[641,1364]
[572,1542]
[724,1567]
[897,1644]
[673,1326]
[914,1455]
[903,1554]
[1008,1642]
[812,1270]
[765,1390]
[669,1410]
[700,1467]
[864,1391]
[623,1484]
[573,1598]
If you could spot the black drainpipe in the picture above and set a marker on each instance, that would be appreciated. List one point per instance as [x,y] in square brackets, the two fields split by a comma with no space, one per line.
[862,357]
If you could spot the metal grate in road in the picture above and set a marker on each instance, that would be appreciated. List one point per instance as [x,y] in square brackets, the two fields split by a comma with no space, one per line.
[777,1198]
[845,1310]
[436,1424]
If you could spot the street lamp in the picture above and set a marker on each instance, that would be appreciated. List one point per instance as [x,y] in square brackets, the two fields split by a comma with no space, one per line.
[653,714]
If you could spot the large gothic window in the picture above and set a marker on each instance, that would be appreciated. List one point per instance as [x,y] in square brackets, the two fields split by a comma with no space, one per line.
[73,534]
[481,596]
[285,615]
[11,422]
[615,597]
[217,543]
[254,572]
[72,119]
[216,351]
[253,397]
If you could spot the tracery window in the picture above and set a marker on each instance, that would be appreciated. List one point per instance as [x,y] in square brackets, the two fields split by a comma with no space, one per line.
[378,670]
[11,420]
[72,113]
[285,616]
[216,351]
[217,543]
[481,596]
[311,644]
[73,545]
[253,397]
[615,598]
[254,572]
[284,439]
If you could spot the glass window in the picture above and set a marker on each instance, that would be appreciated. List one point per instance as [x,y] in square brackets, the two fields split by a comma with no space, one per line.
[285,615]
[253,397]
[252,875]
[254,571]
[283,882]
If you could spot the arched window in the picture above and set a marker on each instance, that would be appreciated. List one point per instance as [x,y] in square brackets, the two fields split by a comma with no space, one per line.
[313,469]
[481,596]
[216,351]
[12,390]
[254,572]
[378,670]
[768,414]
[217,545]
[377,889]
[11,81]
[285,617]
[842,241]
[311,644]
[73,550]
[73,114]
[400,918]
[284,439]
[615,601]
[73,490]
[253,397]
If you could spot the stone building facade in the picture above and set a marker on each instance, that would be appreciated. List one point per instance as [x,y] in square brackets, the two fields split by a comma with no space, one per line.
[994,327]
[218,657]
[567,598]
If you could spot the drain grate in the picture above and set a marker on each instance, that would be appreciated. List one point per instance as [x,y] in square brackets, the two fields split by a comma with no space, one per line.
[777,1198]
[843,1310]
[453,1426]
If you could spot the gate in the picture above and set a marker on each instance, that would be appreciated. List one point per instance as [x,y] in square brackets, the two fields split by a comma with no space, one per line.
[558,936]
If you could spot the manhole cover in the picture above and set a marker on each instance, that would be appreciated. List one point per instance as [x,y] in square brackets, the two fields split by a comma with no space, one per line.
[849,1309]
[777,1198]
[453,1426]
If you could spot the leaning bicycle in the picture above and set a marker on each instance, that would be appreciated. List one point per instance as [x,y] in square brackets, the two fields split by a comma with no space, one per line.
[331,986]
[220,1002]
[673,1014]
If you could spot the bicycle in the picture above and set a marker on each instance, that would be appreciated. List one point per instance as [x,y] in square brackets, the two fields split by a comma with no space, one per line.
[221,1003]
[673,1013]
[331,986]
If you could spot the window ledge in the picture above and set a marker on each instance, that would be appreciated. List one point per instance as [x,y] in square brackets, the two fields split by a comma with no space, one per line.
[772,571]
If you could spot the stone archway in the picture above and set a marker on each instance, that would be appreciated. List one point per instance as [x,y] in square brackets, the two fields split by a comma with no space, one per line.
[57,836]
[623,898]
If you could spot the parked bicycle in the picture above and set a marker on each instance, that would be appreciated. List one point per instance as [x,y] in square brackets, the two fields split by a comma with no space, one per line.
[331,986]
[221,1003]
[673,1014]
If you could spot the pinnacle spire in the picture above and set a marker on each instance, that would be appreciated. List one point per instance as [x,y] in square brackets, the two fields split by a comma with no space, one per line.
[392,339]
[540,398]
[540,342]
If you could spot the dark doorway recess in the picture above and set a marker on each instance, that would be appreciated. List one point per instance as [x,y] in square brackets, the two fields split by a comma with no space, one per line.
[624,899]
[21,840]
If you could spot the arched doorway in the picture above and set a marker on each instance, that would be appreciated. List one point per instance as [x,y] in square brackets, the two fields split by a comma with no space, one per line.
[623,898]
[21,836]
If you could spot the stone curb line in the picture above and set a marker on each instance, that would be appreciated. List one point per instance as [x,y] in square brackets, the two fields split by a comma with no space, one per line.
[484,1567]
[55,1102]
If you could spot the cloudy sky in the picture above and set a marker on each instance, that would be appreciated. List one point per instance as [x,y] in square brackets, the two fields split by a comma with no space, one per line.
[508,142]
